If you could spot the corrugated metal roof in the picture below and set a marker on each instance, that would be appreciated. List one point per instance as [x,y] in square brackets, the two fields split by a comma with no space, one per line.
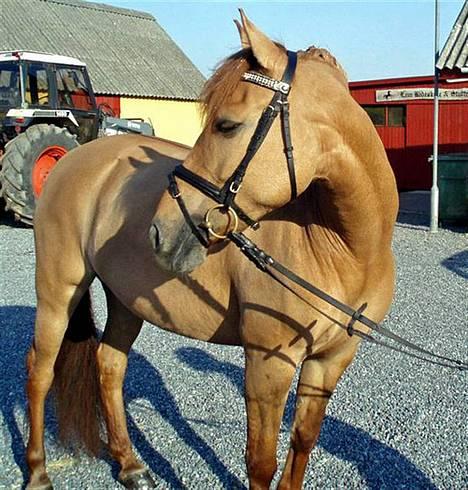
[455,52]
[127,52]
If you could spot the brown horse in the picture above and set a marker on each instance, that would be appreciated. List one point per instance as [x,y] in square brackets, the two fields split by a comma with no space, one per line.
[94,220]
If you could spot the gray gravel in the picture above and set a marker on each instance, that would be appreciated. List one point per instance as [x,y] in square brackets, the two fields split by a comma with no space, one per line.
[393,422]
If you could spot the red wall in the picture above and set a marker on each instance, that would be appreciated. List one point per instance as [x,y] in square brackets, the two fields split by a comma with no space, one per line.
[409,147]
[109,101]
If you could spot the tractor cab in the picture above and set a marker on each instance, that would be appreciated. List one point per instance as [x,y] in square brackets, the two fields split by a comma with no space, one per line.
[45,88]
[47,108]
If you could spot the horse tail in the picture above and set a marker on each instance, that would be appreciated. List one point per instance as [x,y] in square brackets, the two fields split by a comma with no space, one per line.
[76,382]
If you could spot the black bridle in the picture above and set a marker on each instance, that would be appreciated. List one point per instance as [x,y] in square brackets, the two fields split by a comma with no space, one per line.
[225,196]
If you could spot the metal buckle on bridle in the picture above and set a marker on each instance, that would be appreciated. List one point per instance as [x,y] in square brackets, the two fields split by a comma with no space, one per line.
[233,220]
[282,87]
[175,194]
[235,187]
[173,187]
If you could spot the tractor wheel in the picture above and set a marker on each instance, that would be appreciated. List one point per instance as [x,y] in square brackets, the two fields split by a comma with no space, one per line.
[27,161]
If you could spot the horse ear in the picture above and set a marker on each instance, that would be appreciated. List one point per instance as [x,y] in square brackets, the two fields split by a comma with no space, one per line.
[266,52]
[245,43]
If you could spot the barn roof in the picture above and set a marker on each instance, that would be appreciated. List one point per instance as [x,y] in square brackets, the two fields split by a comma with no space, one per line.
[127,52]
[455,52]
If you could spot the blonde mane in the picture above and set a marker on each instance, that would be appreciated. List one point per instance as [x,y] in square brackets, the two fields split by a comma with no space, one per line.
[324,55]
[220,86]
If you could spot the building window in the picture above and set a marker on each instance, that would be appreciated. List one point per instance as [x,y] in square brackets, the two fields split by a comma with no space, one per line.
[396,115]
[392,115]
[377,114]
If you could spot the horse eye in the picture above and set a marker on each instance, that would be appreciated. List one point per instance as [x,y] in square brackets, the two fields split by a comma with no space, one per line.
[225,126]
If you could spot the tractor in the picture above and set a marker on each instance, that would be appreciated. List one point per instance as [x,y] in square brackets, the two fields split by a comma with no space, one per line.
[47,108]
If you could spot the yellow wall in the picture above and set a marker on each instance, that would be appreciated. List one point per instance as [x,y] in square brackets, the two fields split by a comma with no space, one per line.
[175,120]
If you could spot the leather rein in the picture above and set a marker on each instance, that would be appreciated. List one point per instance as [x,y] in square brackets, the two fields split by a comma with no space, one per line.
[225,197]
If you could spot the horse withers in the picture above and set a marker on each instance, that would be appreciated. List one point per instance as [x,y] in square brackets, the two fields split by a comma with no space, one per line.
[105,213]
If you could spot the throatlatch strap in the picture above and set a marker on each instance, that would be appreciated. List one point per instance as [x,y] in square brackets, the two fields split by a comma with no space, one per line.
[288,147]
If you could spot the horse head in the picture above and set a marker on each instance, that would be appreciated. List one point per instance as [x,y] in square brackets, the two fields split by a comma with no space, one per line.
[248,162]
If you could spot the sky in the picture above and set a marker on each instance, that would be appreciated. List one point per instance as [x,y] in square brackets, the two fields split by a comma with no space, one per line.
[371,39]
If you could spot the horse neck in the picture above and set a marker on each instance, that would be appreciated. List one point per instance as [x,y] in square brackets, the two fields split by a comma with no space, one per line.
[353,206]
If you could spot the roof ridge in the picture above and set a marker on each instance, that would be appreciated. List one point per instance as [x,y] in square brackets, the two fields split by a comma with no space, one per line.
[103,7]
[453,54]
[126,52]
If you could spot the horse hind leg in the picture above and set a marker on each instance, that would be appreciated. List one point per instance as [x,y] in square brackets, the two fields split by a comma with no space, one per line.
[317,382]
[53,316]
[122,328]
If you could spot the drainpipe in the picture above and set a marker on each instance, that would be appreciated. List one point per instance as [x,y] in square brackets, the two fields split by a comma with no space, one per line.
[435,151]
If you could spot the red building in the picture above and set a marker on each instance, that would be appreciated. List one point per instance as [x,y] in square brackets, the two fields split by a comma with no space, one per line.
[402,110]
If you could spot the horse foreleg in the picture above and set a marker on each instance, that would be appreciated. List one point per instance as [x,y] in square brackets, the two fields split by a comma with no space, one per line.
[317,382]
[267,383]
[121,330]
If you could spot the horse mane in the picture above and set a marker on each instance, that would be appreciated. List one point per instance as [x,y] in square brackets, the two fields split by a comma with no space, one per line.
[221,85]
[325,56]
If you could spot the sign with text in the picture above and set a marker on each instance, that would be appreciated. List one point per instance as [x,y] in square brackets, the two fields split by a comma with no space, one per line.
[424,93]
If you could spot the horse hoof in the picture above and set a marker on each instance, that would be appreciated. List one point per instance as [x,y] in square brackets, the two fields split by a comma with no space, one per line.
[139,481]
[43,486]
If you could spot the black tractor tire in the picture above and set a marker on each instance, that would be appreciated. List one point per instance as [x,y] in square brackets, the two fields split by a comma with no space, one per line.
[18,163]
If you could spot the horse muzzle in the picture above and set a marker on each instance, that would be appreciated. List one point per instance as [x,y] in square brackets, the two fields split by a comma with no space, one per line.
[155,237]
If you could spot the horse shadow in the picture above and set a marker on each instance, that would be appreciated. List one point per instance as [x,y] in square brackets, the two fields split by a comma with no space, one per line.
[8,219]
[337,438]
[154,390]
[457,263]
[379,465]
[15,344]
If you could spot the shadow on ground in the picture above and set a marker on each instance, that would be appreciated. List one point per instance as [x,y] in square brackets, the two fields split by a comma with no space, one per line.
[415,211]
[16,327]
[380,465]
[458,263]
[8,219]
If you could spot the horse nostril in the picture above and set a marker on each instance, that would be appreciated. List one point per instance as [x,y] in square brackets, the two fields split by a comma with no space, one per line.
[155,236]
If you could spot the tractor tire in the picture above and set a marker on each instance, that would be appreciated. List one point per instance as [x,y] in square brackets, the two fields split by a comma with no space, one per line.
[27,161]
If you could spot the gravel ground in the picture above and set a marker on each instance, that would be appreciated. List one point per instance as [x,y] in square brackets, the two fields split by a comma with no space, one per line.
[393,422]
